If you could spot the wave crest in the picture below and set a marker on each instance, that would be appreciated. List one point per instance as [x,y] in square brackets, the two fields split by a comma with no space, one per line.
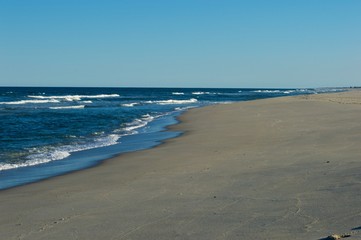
[71,98]
[46,155]
[30,101]
[68,107]
[172,101]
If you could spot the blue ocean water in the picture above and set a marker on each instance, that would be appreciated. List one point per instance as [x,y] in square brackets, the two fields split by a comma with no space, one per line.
[46,132]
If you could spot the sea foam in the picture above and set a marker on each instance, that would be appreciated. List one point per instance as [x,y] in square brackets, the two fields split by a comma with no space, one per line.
[129,104]
[46,155]
[172,101]
[131,127]
[71,98]
[201,93]
[68,107]
[30,101]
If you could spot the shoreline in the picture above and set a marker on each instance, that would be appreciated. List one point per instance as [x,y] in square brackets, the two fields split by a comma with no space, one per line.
[238,171]
[112,151]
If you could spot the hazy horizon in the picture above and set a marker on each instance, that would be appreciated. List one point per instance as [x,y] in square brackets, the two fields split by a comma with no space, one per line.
[327,87]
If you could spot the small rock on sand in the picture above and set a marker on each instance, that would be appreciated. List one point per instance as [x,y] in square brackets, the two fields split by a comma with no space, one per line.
[336,236]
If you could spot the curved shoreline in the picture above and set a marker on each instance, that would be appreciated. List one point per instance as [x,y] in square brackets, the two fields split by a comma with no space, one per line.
[98,155]
[280,168]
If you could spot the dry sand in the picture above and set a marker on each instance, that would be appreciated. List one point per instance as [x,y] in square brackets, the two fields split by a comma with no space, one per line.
[284,168]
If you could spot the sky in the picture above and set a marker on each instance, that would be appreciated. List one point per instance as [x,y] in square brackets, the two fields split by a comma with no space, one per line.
[180,43]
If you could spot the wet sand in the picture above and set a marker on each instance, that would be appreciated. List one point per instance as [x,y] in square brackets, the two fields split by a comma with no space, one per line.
[283,168]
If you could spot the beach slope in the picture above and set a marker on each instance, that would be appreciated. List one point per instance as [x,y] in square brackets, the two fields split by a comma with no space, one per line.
[282,168]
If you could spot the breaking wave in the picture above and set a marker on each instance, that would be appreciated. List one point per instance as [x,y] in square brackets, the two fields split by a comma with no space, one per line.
[129,104]
[30,101]
[46,155]
[71,98]
[172,101]
[68,107]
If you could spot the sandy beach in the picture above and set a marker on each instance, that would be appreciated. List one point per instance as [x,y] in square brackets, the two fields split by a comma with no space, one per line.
[282,168]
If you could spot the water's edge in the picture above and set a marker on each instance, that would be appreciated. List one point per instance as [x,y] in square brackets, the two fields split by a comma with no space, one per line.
[78,161]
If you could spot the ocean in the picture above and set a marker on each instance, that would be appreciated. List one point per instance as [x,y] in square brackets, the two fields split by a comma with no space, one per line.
[45,132]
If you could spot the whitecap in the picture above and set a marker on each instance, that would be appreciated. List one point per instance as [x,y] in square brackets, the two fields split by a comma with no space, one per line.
[68,107]
[200,93]
[30,101]
[75,97]
[172,101]
[137,123]
[129,104]
[183,108]
[131,127]
[148,117]
[267,91]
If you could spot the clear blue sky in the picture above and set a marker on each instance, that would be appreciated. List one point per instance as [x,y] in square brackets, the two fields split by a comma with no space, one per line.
[180,43]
